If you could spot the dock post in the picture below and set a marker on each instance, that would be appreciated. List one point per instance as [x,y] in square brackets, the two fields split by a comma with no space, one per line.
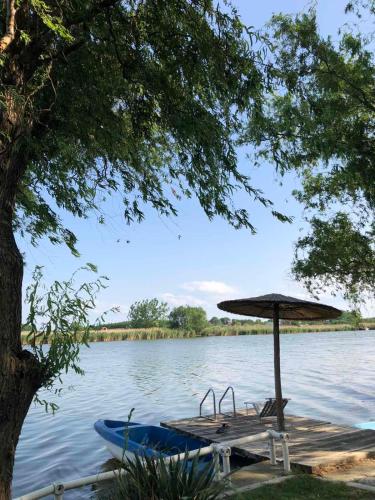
[284,444]
[272,450]
[225,452]
[216,460]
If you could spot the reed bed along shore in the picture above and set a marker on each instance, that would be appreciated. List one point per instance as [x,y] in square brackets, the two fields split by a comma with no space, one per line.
[116,334]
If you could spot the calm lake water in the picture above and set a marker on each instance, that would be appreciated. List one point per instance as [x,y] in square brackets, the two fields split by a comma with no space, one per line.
[327,375]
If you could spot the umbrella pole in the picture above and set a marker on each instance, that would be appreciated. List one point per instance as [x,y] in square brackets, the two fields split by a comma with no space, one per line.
[276,353]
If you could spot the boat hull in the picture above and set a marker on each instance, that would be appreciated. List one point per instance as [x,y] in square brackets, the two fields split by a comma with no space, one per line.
[118,452]
[130,439]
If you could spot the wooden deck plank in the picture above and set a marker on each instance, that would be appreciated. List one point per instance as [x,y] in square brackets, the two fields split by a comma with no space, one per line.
[314,444]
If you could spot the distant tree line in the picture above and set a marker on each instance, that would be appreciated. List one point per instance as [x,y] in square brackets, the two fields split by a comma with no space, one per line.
[150,313]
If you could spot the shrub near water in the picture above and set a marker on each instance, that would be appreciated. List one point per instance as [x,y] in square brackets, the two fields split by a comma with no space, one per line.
[188,318]
[147,313]
[151,478]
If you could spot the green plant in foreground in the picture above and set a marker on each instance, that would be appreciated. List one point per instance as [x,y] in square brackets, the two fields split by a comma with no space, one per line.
[151,478]
[126,434]
[59,315]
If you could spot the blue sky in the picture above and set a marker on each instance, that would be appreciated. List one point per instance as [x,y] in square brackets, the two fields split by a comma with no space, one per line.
[190,260]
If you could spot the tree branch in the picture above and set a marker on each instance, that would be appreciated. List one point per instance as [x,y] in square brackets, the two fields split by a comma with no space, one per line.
[365,101]
[97,8]
[63,53]
[10,25]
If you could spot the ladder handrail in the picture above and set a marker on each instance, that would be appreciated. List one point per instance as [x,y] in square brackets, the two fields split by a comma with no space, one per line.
[233,400]
[204,399]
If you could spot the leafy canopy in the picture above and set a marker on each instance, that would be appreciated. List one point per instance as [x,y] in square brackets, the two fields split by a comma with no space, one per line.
[336,253]
[140,98]
[188,318]
[147,313]
[319,122]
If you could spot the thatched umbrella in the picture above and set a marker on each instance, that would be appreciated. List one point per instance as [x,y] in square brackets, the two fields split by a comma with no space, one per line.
[276,307]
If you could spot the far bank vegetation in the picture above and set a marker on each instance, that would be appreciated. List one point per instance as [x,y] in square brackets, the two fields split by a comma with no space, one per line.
[152,319]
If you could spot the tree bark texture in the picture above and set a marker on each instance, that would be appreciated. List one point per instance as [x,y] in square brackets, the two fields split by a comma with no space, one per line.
[20,372]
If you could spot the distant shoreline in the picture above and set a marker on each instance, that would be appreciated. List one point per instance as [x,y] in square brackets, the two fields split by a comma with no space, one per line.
[113,335]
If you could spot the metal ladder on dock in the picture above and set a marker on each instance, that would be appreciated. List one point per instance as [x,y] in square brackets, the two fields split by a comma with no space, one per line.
[229,388]
[204,399]
[210,390]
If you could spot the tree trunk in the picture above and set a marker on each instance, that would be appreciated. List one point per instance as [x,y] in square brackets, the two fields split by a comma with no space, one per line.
[20,372]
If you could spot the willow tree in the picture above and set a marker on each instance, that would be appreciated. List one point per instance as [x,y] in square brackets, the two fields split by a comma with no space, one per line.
[141,98]
[318,122]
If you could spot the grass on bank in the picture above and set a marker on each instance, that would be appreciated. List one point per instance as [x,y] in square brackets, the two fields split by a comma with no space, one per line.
[306,487]
[116,334]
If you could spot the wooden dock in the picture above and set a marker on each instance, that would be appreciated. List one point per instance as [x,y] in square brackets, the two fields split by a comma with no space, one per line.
[315,446]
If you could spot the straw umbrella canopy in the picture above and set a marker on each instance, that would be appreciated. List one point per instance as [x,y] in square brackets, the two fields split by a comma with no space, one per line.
[276,306]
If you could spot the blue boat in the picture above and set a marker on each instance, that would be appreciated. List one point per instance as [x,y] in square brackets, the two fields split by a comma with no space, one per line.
[366,425]
[130,438]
